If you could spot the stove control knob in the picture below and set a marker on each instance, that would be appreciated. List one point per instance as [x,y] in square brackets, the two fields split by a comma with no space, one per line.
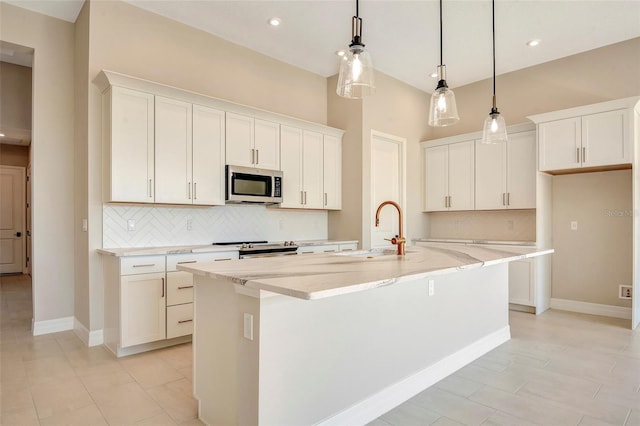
[291,243]
[250,245]
[244,246]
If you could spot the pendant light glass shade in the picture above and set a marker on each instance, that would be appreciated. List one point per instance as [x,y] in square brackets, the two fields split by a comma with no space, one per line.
[356,79]
[495,128]
[443,110]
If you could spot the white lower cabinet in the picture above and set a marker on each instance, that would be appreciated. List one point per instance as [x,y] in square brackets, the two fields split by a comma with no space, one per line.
[327,248]
[148,301]
[522,280]
[142,300]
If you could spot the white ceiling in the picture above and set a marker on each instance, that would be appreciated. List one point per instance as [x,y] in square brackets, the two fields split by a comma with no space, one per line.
[402,36]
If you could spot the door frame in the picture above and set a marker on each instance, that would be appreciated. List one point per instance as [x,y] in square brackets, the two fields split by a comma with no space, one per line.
[369,209]
[23,213]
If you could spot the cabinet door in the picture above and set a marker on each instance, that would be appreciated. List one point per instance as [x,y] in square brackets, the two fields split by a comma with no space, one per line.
[521,171]
[239,140]
[173,152]
[312,179]
[605,140]
[143,308]
[491,172]
[436,161]
[560,144]
[291,166]
[208,156]
[267,145]
[522,282]
[332,172]
[132,145]
[461,176]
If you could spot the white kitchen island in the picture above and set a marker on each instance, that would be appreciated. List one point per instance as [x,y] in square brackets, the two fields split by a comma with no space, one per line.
[341,339]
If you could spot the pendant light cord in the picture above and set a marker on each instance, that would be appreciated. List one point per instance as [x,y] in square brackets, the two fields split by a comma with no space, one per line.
[357,9]
[441,62]
[493,31]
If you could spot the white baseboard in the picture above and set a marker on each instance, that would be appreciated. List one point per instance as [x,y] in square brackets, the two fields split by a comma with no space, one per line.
[394,395]
[591,308]
[52,326]
[90,338]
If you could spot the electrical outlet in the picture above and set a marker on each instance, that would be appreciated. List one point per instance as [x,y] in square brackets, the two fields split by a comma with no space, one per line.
[574,225]
[432,287]
[625,292]
[131,225]
[248,326]
[189,224]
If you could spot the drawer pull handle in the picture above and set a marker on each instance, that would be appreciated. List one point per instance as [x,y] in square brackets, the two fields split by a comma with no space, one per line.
[347,250]
[187,261]
[221,260]
[185,286]
[183,321]
[146,265]
[329,251]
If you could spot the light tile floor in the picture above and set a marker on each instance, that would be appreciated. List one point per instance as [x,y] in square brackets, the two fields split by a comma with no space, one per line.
[558,369]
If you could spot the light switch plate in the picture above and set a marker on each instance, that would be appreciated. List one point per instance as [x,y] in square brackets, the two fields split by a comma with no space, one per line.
[574,225]
[248,326]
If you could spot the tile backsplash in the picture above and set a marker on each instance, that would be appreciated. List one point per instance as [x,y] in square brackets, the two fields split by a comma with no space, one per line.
[157,226]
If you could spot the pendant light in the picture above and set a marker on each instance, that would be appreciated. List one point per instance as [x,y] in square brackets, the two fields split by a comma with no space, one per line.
[443,110]
[495,128]
[355,80]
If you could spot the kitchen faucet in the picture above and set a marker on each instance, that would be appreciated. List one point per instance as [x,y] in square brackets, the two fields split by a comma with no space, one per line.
[399,240]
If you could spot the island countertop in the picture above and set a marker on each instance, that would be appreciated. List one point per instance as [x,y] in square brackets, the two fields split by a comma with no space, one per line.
[325,275]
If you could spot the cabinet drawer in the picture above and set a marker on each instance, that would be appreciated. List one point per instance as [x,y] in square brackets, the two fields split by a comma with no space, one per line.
[329,248]
[180,259]
[179,287]
[349,247]
[179,320]
[141,265]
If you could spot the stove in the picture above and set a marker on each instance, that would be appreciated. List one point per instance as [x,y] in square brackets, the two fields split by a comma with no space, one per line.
[250,249]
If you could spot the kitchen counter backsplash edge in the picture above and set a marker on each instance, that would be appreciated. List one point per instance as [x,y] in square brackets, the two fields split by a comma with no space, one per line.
[207,248]
[488,242]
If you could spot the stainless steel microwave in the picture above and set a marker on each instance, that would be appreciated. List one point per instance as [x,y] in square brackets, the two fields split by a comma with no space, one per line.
[248,185]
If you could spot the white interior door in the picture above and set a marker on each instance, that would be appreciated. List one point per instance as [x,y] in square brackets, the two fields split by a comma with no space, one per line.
[12,216]
[387,183]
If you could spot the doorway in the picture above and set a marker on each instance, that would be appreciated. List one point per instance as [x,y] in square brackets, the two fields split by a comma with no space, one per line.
[388,165]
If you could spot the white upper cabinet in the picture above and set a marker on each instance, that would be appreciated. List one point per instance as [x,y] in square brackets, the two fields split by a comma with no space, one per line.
[251,142]
[312,170]
[332,169]
[449,177]
[302,168]
[506,173]
[173,152]
[208,156]
[189,153]
[128,134]
[593,136]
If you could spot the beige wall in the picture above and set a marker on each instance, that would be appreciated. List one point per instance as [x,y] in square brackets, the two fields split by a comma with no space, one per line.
[503,225]
[15,96]
[52,156]
[85,288]
[589,264]
[14,155]
[396,109]
[598,75]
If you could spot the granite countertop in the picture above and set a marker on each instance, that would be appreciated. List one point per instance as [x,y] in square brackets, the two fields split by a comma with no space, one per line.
[149,251]
[206,248]
[326,275]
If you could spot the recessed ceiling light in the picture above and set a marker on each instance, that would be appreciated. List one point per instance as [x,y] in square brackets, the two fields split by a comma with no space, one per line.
[274,22]
[533,43]
[2,135]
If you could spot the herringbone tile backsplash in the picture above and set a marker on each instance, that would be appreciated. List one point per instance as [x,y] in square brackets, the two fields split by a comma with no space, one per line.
[157,226]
